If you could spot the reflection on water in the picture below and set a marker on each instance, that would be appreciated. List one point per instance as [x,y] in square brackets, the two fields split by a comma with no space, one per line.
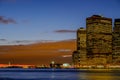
[99,76]
[58,75]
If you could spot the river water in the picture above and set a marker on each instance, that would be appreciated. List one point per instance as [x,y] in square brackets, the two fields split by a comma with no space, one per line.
[50,74]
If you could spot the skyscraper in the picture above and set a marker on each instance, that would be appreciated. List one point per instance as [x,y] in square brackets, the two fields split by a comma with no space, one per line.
[116,42]
[75,58]
[99,39]
[79,56]
[81,45]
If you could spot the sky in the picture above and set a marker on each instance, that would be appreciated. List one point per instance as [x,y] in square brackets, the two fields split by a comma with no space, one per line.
[26,21]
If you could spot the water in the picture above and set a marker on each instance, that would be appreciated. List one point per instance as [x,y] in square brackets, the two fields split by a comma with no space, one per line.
[50,74]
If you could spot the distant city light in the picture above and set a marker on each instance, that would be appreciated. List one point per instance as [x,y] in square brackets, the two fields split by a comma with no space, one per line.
[66,65]
[53,62]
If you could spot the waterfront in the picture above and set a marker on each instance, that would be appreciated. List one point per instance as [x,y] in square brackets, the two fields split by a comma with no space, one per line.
[50,74]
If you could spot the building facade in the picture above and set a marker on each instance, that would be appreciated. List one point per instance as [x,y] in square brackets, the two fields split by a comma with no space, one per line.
[99,40]
[81,45]
[79,56]
[116,42]
[75,58]
[98,44]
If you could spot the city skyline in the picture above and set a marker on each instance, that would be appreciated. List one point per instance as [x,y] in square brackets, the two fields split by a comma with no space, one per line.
[27,21]
[98,44]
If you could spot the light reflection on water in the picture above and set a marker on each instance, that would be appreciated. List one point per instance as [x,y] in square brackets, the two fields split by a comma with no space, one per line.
[59,75]
[99,76]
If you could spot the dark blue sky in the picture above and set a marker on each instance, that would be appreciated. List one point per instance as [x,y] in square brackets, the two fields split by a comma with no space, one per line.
[42,19]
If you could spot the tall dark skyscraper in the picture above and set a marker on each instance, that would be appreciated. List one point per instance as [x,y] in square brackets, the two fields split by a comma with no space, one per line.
[116,42]
[99,39]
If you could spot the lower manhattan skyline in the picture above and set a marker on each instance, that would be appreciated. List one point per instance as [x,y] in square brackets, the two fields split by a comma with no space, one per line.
[98,44]
[59,39]
[47,27]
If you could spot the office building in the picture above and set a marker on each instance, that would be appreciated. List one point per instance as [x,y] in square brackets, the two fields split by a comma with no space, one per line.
[81,45]
[79,56]
[99,40]
[116,42]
